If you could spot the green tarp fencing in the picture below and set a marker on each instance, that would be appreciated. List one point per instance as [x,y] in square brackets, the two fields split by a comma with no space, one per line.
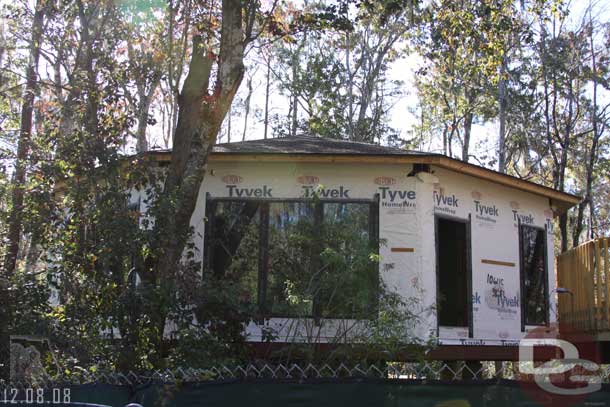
[320,393]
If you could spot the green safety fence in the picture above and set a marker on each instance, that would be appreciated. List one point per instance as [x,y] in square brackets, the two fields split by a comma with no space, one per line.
[322,393]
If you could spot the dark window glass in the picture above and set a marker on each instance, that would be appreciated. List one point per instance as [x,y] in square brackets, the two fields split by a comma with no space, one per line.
[233,244]
[292,233]
[348,281]
[533,275]
[297,258]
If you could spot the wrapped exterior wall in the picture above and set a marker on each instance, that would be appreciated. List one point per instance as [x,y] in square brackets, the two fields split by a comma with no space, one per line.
[408,204]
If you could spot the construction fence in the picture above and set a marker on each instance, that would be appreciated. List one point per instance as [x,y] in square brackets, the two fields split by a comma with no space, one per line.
[413,384]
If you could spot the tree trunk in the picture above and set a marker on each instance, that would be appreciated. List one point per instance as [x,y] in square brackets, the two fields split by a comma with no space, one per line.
[295,111]
[23,146]
[445,146]
[230,113]
[267,96]
[15,221]
[467,129]
[141,141]
[199,120]
[350,88]
[578,226]
[145,101]
[561,171]
[502,118]
[2,52]
[563,232]
[592,157]
[247,107]
[294,100]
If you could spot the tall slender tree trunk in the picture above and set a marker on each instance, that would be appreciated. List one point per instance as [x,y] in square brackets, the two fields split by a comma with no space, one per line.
[143,109]
[247,107]
[15,226]
[445,136]
[467,130]
[502,117]
[2,51]
[295,109]
[145,100]
[592,155]
[596,134]
[350,87]
[563,219]
[230,114]
[267,87]
[294,103]
[200,117]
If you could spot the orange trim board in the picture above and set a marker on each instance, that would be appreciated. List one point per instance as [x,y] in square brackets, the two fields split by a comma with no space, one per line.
[402,249]
[498,263]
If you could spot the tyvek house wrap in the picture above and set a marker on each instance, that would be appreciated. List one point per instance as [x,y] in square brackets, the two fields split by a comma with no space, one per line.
[407,209]
[495,214]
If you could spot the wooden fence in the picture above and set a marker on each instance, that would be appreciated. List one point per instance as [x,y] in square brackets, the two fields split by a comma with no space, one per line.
[583,281]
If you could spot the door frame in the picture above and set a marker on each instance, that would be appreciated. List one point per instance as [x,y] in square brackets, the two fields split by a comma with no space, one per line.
[547,296]
[468,222]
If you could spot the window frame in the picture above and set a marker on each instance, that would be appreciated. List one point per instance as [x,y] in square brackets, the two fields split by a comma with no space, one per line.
[543,230]
[263,244]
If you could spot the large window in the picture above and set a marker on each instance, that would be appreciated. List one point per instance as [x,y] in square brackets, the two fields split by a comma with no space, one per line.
[534,276]
[297,258]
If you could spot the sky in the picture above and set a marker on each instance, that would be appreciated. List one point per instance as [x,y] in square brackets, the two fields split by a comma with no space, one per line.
[402,118]
[484,137]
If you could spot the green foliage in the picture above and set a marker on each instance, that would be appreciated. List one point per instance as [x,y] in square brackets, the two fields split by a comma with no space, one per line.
[322,279]
[464,44]
[89,237]
[337,80]
[210,326]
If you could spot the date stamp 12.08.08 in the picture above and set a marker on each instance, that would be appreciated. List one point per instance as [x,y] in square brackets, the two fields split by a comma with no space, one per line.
[34,396]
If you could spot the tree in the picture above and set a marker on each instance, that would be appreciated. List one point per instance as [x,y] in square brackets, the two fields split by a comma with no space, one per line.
[550,119]
[148,60]
[27,110]
[202,105]
[599,125]
[15,219]
[464,43]
[562,61]
[337,81]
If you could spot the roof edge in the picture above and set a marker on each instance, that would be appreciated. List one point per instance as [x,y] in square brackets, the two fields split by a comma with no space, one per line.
[561,201]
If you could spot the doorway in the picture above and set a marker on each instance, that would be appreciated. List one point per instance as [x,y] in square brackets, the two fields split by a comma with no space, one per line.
[453,273]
